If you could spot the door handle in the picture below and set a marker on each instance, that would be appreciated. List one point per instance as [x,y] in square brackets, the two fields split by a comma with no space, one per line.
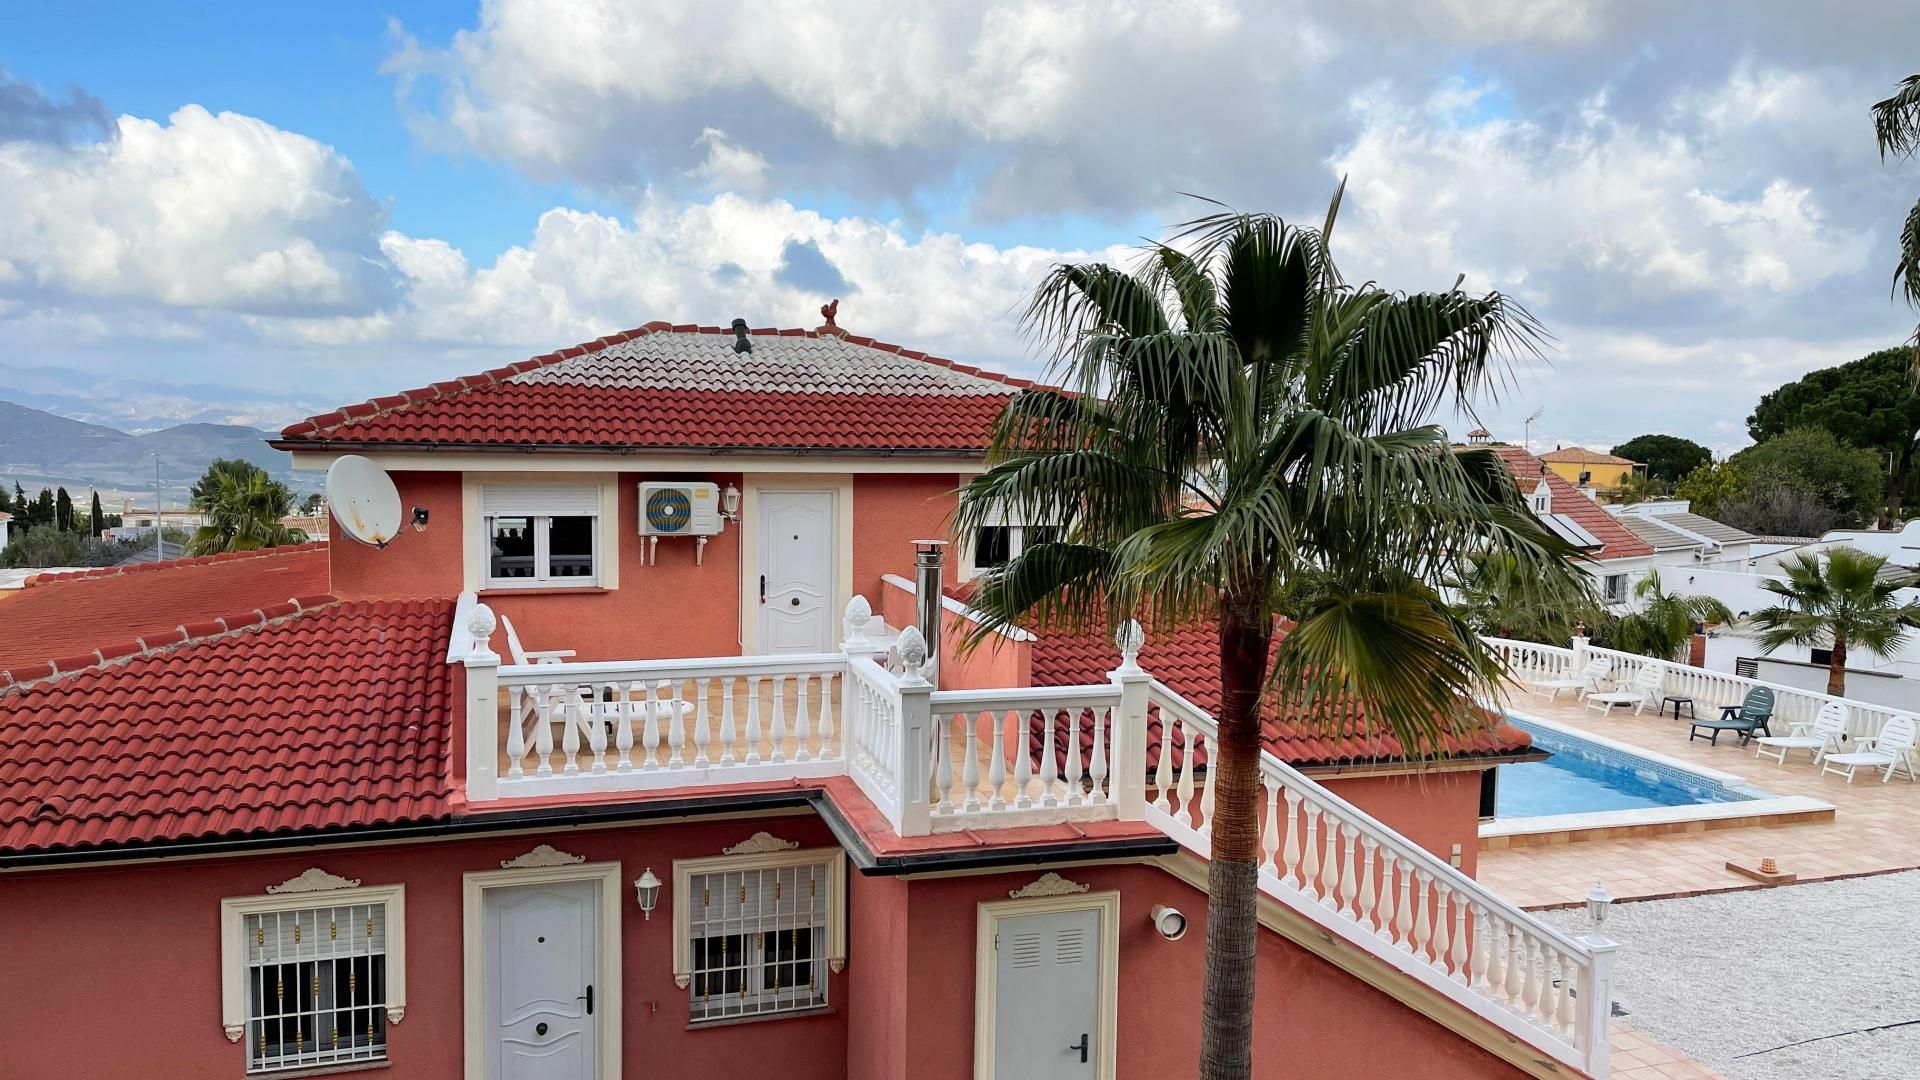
[763,588]
[1081,1046]
[588,998]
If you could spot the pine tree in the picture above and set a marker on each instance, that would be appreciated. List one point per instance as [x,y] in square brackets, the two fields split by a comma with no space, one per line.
[99,519]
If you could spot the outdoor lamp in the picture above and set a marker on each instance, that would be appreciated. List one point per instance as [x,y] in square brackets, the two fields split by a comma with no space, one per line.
[730,503]
[647,891]
[419,519]
[1598,900]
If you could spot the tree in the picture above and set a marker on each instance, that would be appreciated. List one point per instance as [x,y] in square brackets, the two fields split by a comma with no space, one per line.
[1238,419]
[242,514]
[238,468]
[1711,486]
[63,511]
[1869,402]
[1667,457]
[1842,602]
[1844,478]
[1661,623]
[22,508]
[1896,127]
[310,505]
[1779,510]
[97,518]
[43,512]
[1494,599]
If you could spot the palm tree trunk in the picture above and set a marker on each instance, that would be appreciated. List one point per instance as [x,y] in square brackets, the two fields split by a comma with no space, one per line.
[1837,668]
[1226,1040]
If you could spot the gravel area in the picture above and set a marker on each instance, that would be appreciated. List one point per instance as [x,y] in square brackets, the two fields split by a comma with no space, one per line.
[1776,984]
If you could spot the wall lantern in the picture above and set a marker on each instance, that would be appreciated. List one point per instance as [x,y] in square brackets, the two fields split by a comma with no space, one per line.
[419,519]
[1598,900]
[647,891]
[730,503]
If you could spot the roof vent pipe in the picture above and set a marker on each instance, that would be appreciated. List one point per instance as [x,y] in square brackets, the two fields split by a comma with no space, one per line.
[740,342]
[928,556]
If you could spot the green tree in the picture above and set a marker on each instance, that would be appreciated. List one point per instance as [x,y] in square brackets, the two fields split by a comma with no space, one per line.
[1661,623]
[97,518]
[22,508]
[1778,509]
[1667,457]
[1841,602]
[1869,402]
[1896,127]
[242,514]
[42,512]
[238,468]
[63,511]
[310,505]
[1237,419]
[1809,458]
[1710,487]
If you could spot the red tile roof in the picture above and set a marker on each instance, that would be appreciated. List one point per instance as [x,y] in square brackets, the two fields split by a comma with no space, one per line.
[1188,662]
[1617,542]
[72,615]
[311,719]
[669,387]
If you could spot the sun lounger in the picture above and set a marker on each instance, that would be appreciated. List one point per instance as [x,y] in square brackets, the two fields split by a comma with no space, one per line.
[1646,686]
[1745,718]
[1585,682]
[1820,738]
[1892,750]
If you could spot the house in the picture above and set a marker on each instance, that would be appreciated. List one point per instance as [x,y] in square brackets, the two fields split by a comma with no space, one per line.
[1683,538]
[641,753]
[1602,475]
[6,523]
[1614,556]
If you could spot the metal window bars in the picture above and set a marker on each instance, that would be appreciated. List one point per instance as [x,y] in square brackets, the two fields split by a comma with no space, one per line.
[759,941]
[316,987]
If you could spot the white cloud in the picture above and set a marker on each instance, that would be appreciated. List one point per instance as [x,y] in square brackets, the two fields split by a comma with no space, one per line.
[728,167]
[203,211]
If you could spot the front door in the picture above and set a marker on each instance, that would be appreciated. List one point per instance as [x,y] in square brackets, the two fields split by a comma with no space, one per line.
[542,962]
[797,547]
[1047,996]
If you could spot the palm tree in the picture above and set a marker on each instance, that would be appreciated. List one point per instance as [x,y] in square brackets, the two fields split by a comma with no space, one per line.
[1496,599]
[243,514]
[1237,421]
[1842,601]
[1663,623]
[1896,126]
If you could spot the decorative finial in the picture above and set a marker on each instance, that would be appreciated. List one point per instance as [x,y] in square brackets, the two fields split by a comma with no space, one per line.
[913,650]
[858,612]
[828,311]
[481,622]
[1130,637]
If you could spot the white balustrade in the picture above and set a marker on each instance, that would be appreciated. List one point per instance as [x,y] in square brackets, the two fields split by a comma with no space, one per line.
[1033,754]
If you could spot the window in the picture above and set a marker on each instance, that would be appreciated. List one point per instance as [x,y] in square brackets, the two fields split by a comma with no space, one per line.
[996,545]
[1614,588]
[1823,657]
[312,980]
[757,934]
[541,535]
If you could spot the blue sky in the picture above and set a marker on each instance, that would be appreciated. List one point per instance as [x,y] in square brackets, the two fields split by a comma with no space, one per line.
[250,212]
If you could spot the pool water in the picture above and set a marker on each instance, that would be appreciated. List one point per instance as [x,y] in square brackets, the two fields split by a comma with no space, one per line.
[1584,777]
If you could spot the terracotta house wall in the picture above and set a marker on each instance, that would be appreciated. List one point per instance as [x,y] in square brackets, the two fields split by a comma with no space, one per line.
[890,512]
[81,937]
[1436,810]
[415,563]
[877,1018]
[1313,1019]
[999,662]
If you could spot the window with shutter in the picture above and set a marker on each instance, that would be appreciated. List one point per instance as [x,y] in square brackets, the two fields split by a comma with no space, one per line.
[758,934]
[541,535]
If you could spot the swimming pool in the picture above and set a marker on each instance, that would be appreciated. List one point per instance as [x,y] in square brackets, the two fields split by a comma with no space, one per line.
[1584,777]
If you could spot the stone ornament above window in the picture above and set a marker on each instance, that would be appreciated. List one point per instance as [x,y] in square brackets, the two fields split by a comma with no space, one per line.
[543,855]
[313,879]
[1048,884]
[760,842]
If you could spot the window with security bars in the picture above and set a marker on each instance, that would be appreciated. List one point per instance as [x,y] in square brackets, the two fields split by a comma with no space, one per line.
[316,983]
[759,940]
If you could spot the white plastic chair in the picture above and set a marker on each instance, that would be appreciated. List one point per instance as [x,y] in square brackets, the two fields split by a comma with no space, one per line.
[1820,738]
[1892,749]
[1582,684]
[1646,686]
[541,656]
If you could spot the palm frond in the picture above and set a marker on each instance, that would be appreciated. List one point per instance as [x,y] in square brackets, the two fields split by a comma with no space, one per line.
[1896,120]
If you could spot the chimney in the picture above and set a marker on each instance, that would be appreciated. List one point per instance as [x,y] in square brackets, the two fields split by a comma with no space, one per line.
[928,557]
[740,342]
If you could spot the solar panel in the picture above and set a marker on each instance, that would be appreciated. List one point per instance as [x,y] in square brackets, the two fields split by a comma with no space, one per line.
[1571,531]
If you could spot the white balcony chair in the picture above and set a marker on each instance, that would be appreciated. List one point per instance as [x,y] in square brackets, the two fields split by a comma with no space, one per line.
[1582,684]
[1646,686]
[541,656]
[1820,738]
[1892,750]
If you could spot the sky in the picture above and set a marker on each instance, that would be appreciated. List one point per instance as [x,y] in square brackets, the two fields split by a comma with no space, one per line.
[252,213]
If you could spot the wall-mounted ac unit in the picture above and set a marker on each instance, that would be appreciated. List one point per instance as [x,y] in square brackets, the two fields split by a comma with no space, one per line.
[679,509]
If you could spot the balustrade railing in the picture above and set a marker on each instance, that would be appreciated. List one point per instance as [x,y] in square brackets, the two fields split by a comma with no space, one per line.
[1436,922]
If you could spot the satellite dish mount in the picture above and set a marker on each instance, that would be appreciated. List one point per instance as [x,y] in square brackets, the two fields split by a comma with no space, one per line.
[365,502]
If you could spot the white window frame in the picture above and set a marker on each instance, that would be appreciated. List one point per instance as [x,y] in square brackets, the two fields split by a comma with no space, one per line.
[834,863]
[1606,588]
[538,519]
[1016,527]
[313,889]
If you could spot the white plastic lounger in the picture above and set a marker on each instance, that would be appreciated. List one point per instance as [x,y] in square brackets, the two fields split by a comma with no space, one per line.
[1820,738]
[523,657]
[1892,750]
[1646,686]
[1582,684]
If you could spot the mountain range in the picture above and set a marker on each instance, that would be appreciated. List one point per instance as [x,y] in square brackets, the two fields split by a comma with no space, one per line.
[42,449]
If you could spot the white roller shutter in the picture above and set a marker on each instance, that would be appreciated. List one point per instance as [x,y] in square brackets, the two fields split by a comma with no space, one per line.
[551,500]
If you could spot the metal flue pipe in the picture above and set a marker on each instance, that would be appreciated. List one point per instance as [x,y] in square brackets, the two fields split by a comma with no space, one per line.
[928,558]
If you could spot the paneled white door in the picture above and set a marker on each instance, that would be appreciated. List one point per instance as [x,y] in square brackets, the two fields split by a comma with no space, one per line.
[1047,996]
[797,556]
[542,961]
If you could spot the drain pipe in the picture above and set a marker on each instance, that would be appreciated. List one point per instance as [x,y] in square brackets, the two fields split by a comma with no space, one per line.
[928,557]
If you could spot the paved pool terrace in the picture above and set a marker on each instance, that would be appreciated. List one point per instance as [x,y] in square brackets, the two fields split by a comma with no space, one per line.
[1870,827]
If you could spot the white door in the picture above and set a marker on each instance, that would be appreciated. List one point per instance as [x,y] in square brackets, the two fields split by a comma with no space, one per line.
[1047,996]
[797,548]
[541,962]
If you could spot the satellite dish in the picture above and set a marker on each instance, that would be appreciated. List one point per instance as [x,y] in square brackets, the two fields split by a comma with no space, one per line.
[363,500]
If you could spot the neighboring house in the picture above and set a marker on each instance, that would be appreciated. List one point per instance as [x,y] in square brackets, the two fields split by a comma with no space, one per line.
[1616,558]
[352,828]
[1682,538]
[1592,472]
[6,523]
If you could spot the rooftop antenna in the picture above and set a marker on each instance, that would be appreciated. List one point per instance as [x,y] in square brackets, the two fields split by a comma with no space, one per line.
[362,496]
[159,552]
[1526,429]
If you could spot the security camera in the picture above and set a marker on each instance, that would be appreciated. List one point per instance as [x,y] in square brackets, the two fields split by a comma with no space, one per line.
[1169,922]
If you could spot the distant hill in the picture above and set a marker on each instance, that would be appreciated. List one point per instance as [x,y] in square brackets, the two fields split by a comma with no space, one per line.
[40,449]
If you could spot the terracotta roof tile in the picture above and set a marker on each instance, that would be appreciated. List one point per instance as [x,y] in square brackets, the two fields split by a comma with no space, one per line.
[332,718]
[1616,541]
[1580,455]
[64,614]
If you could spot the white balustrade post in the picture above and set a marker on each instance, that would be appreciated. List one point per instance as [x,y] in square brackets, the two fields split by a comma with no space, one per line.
[1128,768]
[1594,1032]
[910,765]
[854,641]
[1580,643]
[483,708]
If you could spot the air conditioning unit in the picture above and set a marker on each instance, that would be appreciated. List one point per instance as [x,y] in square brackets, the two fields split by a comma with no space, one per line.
[679,509]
